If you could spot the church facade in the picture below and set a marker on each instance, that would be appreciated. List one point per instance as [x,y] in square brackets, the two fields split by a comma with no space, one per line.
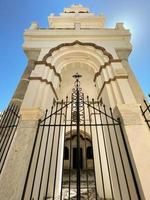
[79,131]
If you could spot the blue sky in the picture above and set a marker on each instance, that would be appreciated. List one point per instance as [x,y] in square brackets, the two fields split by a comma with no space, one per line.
[16,16]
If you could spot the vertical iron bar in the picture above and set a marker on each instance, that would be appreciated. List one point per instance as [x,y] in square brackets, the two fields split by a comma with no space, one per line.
[4,120]
[7,122]
[78,141]
[147,106]
[8,131]
[103,133]
[59,131]
[64,146]
[46,145]
[89,113]
[143,113]
[87,178]
[99,150]
[130,162]
[50,159]
[11,139]
[120,153]
[37,160]
[113,153]
[70,153]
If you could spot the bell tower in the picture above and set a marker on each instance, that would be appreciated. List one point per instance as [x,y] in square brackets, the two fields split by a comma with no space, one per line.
[81,137]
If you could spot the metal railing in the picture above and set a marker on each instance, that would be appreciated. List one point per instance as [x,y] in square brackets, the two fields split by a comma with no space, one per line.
[8,125]
[146,112]
[73,124]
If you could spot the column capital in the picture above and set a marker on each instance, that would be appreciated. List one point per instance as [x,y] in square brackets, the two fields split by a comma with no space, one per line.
[123,53]
[32,54]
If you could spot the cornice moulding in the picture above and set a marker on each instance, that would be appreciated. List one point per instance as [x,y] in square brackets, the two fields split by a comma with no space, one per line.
[101,34]
[61,31]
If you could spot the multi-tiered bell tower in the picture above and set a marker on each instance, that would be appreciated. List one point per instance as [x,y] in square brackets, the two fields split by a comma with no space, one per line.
[75,138]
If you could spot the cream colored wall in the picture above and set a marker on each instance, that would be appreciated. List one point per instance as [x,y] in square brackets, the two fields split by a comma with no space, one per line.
[116,91]
[55,38]
[40,93]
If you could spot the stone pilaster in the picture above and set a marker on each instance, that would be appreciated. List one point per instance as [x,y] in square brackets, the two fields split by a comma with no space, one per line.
[136,89]
[137,137]
[24,82]
[13,176]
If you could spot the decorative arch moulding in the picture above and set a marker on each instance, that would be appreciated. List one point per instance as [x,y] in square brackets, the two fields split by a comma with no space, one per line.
[108,82]
[79,43]
[103,66]
[50,66]
[47,82]
[105,52]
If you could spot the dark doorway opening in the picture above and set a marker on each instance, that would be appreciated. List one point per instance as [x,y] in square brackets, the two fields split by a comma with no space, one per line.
[75,158]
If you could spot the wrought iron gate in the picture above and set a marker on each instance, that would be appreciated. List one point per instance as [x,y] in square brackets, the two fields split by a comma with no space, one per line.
[146,112]
[58,169]
[8,125]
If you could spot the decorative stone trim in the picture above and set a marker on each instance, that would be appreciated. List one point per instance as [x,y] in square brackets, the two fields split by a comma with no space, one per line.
[79,43]
[82,44]
[104,66]
[17,100]
[109,81]
[47,82]
[50,66]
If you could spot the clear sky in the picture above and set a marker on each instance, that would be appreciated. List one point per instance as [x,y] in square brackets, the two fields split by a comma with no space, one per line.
[16,16]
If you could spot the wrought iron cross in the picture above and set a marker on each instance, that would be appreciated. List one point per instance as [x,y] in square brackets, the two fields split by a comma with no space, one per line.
[77,82]
[77,76]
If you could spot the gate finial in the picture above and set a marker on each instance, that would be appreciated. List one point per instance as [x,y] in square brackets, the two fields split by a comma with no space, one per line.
[77,82]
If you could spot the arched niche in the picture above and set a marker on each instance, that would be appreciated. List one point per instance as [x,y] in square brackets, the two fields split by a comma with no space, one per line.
[88,59]
[84,58]
[87,84]
[77,52]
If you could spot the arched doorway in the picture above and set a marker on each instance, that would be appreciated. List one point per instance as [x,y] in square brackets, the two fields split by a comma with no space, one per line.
[70,151]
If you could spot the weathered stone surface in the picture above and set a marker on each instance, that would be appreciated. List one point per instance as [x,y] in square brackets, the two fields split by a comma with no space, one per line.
[129,113]
[31,114]
[23,84]
[14,173]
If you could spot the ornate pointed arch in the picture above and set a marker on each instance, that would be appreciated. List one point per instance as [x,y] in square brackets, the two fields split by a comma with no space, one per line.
[79,43]
[105,53]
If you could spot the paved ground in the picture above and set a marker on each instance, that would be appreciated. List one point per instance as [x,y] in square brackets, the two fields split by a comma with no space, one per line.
[87,185]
